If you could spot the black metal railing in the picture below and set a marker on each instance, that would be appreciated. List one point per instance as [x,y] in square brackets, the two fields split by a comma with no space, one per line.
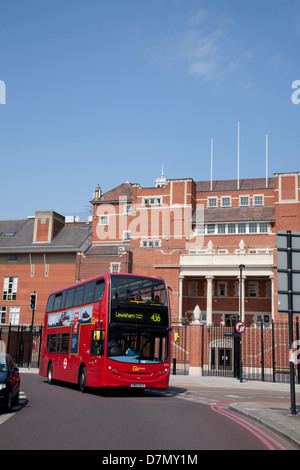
[23,343]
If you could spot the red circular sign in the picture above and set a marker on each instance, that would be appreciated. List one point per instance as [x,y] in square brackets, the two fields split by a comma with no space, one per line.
[240,327]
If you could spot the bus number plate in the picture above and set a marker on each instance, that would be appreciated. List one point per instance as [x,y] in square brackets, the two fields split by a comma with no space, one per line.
[137,385]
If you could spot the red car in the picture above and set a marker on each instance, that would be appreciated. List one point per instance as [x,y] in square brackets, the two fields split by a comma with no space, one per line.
[9,382]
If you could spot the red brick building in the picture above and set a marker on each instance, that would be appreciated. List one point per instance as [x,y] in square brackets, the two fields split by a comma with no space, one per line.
[214,242]
[37,254]
[197,234]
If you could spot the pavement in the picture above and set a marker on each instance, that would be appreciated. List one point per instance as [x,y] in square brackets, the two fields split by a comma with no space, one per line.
[275,416]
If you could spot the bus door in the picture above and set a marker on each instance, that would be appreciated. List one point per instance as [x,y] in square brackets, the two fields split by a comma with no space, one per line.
[96,362]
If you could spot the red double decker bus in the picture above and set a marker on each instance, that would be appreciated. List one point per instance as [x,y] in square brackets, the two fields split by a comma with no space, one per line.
[112,330]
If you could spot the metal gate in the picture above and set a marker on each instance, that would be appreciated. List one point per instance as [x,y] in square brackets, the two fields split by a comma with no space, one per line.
[220,351]
[260,353]
[23,343]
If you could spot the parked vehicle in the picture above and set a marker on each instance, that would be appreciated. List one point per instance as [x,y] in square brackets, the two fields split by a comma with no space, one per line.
[9,382]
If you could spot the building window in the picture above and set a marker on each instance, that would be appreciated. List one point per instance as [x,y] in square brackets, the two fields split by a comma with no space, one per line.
[103,220]
[212,202]
[126,236]
[14,315]
[252,228]
[252,289]
[150,243]
[211,228]
[263,319]
[127,209]
[12,258]
[115,267]
[258,201]
[231,228]
[221,289]
[263,227]
[226,202]
[10,287]
[241,228]
[230,319]
[244,201]
[2,314]
[192,289]
[200,230]
[152,201]
[222,228]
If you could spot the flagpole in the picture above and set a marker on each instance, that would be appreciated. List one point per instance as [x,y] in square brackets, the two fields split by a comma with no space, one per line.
[211,161]
[238,182]
[267,150]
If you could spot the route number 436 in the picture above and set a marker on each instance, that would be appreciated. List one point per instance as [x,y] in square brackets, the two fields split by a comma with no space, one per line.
[155,317]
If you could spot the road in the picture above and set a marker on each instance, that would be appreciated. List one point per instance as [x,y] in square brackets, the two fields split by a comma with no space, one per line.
[60,417]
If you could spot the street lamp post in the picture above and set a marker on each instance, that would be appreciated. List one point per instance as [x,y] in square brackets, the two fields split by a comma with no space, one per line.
[241,266]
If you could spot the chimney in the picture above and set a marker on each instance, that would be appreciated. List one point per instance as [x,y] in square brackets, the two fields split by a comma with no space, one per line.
[47,224]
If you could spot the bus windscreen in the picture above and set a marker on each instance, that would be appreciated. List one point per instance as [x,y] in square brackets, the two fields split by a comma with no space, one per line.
[138,289]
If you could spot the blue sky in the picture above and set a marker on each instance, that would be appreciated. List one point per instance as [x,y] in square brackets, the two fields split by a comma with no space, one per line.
[104,91]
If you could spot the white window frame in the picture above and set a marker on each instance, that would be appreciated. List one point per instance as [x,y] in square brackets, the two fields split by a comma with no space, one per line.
[126,236]
[115,267]
[103,220]
[265,225]
[14,315]
[127,209]
[223,198]
[152,201]
[211,229]
[253,289]
[10,287]
[253,227]
[231,227]
[211,200]
[243,200]
[151,243]
[256,197]
[240,226]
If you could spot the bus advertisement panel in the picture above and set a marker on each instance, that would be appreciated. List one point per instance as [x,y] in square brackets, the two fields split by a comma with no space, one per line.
[111,330]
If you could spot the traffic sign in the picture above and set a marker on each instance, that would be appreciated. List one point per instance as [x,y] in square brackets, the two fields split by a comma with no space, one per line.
[288,272]
[240,327]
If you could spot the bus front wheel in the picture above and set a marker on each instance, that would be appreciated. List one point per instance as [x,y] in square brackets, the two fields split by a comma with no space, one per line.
[82,379]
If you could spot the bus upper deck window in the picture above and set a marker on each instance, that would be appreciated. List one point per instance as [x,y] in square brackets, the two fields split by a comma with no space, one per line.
[69,299]
[78,295]
[50,303]
[99,291]
[89,292]
[57,301]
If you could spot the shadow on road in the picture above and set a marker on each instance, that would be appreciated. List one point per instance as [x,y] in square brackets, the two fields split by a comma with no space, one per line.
[122,391]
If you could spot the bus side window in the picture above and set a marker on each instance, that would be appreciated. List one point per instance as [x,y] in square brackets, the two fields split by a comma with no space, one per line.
[62,305]
[99,291]
[97,342]
[89,292]
[78,295]
[69,299]
[57,301]
[50,303]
